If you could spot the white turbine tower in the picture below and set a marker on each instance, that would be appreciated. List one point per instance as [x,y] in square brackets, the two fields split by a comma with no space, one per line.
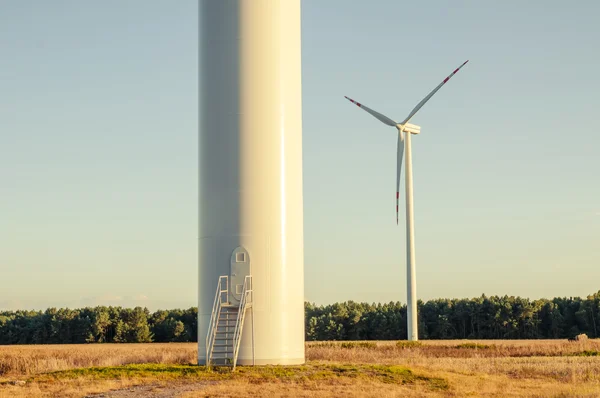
[404,145]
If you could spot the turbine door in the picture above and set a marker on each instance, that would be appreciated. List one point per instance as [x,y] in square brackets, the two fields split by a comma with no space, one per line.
[240,268]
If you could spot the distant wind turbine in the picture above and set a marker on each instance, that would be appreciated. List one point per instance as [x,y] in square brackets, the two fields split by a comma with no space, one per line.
[404,145]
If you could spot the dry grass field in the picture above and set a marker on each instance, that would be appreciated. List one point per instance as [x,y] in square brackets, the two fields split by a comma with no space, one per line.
[540,368]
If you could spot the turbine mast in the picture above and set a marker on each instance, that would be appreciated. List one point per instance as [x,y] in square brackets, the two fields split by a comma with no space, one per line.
[411,276]
[408,129]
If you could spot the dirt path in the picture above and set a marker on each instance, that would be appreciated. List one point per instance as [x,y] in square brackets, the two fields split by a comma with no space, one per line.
[153,390]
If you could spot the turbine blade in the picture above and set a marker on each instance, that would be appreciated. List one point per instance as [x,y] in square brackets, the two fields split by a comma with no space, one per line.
[424,100]
[399,156]
[382,118]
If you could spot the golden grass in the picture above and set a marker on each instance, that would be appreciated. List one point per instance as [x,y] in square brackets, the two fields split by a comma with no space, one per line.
[389,351]
[334,389]
[67,388]
[33,359]
[499,368]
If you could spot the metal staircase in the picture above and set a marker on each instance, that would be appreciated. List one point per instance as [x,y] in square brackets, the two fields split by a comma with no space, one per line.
[226,324]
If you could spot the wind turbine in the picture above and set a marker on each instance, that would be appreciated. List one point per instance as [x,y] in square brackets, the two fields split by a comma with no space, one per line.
[404,146]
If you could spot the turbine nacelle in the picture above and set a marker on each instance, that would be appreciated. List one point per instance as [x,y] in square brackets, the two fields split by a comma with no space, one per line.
[409,128]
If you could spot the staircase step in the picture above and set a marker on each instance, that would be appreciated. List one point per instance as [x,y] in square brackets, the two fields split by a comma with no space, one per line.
[222,363]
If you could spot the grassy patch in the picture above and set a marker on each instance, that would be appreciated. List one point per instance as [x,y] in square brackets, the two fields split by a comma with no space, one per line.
[346,344]
[586,353]
[475,346]
[408,344]
[156,371]
[402,375]
[359,344]
[259,374]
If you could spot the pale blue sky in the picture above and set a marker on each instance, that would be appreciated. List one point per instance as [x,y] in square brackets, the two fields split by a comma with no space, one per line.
[98,150]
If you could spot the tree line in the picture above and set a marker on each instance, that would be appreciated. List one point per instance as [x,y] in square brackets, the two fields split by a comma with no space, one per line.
[494,317]
[98,325]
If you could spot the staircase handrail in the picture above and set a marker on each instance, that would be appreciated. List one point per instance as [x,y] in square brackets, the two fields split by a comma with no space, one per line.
[239,324]
[212,325]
